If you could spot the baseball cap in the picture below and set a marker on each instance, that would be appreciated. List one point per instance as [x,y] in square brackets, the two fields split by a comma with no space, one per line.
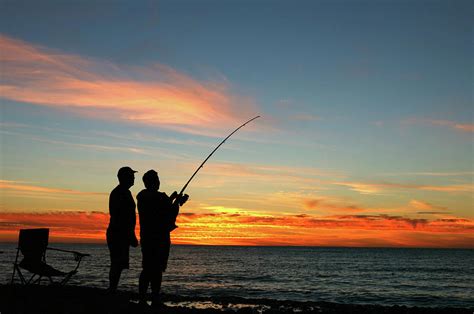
[125,170]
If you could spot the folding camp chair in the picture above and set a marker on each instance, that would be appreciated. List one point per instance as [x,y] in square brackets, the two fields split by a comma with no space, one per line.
[33,243]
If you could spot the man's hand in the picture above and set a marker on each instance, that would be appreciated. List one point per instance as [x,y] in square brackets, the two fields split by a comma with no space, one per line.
[183,199]
[173,196]
[179,199]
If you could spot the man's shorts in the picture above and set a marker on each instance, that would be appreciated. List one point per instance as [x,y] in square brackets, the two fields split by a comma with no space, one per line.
[119,248]
[155,253]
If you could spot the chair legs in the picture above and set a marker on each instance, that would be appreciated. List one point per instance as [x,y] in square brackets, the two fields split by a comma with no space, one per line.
[17,270]
[15,267]
[67,277]
[36,278]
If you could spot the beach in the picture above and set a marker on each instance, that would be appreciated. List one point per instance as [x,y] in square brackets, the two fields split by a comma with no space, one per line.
[76,299]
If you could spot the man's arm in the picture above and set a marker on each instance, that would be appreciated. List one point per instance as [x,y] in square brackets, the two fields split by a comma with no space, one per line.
[176,201]
[114,209]
[133,223]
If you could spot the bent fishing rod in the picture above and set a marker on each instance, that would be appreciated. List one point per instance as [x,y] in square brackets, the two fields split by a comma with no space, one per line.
[202,164]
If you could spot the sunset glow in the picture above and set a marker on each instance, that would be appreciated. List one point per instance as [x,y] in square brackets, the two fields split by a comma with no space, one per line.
[366,135]
[248,229]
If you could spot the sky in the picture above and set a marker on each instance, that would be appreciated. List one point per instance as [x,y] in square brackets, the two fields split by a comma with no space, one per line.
[365,137]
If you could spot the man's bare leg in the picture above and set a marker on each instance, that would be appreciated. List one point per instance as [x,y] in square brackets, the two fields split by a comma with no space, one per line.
[114,278]
[155,288]
[143,283]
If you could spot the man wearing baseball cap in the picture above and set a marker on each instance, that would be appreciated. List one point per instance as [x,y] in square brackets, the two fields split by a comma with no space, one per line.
[121,230]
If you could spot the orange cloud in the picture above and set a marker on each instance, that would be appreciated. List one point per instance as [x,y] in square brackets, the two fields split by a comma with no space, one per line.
[156,95]
[364,188]
[377,188]
[448,188]
[325,205]
[21,187]
[431,174]
[420,205]
[311,203]
[425,206]
[64,226]
[464,127]
[254,229]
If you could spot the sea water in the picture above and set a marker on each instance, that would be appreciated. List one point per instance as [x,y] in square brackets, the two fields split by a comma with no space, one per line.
[385,276]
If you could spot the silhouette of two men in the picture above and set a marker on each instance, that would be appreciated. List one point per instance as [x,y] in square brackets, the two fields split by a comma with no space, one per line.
[157,212]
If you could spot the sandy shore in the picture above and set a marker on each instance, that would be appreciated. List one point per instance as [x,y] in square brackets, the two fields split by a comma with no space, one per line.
[73,299]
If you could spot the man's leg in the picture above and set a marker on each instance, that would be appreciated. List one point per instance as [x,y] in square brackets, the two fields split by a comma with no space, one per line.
[143,283]
[114,278]
[156,279]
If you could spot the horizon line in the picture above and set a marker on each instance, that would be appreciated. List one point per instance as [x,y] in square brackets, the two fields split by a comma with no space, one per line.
[292,246]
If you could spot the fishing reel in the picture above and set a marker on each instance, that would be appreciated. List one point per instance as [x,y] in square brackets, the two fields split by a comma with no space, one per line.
[180,199]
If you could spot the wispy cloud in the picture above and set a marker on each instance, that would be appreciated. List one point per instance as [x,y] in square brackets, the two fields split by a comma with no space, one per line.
[267,171]
[125,148]
[429,209]
[364,188]
[424,205]
[305,117]
[94,135]
[156,95]
[431,174]
[220,173]
[378,188]
[23,187]
[448,188]
[328,205]
[433,213]
[464,127]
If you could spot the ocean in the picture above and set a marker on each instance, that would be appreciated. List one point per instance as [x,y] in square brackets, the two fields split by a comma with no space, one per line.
[383,276]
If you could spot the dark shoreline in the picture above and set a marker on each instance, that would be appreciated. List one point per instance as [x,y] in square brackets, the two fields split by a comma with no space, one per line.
[78,299]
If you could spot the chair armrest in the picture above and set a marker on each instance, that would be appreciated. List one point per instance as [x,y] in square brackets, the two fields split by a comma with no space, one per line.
[68,251]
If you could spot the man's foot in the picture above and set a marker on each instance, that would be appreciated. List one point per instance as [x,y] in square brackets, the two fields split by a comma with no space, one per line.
[158,307]
[157,304]
[142,300]
[143,306]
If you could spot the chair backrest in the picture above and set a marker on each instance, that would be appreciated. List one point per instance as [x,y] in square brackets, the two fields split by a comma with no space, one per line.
[33,243]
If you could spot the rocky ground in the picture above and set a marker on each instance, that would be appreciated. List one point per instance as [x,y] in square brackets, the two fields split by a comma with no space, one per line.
[73,299]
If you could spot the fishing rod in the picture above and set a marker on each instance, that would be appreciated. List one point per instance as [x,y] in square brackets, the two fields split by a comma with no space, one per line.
[200,166]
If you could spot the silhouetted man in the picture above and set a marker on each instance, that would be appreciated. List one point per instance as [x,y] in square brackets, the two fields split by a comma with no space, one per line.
[121,230]
[157,212]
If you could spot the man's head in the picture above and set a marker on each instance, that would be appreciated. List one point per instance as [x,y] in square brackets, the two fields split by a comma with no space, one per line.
[126,176]
[151,180]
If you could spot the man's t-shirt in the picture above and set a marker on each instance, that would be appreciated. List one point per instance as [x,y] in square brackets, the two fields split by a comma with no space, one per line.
[122,215]
[157,214]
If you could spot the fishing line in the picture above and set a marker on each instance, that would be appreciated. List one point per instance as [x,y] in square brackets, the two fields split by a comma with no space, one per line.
[202,164]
